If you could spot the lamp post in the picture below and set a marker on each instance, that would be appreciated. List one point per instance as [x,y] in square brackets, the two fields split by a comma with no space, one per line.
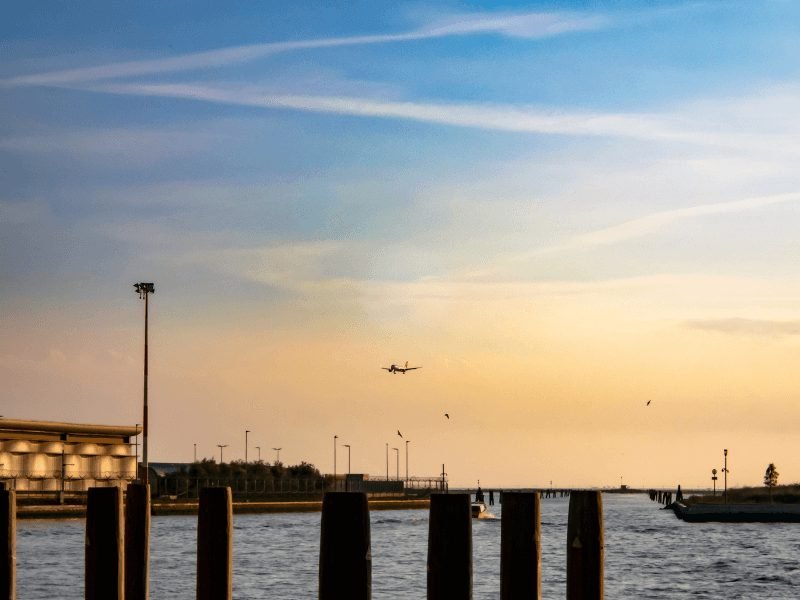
[278,455]
[397,462]
[246,432]
[407,441]
[144,290]
[725,473]
[221,446]
[714,481]
[348,457]
[336,437]
[259,453]
[387,461]
[195,453]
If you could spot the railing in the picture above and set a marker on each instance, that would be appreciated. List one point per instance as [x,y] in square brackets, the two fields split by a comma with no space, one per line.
[117,564]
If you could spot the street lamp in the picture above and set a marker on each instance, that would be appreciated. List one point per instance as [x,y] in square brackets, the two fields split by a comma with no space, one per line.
[221,446]
[348,457]
[336,437]
[259,453]
[277,454]
[725,473]
[407,441]
[195,453]
[246,431]
[397,462]
[144,290]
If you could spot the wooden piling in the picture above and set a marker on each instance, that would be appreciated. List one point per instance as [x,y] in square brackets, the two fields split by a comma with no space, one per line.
[105,551]
[585,546]
[137,541]
[8,544]
[215,544]
[345,556]
[520,547]
[450,547]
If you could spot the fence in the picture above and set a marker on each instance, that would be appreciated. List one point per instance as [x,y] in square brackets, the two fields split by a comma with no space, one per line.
[116,565]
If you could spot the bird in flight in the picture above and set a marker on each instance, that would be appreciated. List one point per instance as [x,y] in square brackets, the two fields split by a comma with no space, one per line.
[400,434]
[395,369]
[648,403]
[447,415]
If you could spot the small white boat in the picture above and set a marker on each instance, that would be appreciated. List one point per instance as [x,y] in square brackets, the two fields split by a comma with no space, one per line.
[479,510]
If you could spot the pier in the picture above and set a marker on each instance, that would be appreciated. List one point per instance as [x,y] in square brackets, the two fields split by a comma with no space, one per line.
[115,562]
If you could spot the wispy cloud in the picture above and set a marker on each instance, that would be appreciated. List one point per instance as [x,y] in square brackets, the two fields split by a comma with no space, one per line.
[522,24]
[480,116]
[650,224]
[749,327]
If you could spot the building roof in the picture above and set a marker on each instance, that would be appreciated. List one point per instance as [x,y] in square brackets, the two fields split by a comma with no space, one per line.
[19,425]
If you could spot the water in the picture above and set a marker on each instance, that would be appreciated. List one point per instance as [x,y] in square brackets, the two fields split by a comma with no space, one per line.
[649,554]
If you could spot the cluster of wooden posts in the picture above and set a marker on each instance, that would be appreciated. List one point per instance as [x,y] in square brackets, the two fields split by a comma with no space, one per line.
[664,498]
[117,546]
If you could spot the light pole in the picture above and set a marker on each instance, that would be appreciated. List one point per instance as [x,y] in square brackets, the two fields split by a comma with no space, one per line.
[407,441]
[195,453]
[259,453]
[246,432]
[397,462]
[144,290]
[714,481]
[725,473]
[221,446]
[348,457]
[336,437]
[277,454]
[387,461]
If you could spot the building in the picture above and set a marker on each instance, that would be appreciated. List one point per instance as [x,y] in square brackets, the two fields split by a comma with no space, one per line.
[51,456]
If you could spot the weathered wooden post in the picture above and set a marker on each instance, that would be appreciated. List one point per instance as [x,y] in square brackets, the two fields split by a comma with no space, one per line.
[215,544]
[345,555]
[585,547]
[8,544]
[520,547]
[450,547]
[105,550]
[137,541]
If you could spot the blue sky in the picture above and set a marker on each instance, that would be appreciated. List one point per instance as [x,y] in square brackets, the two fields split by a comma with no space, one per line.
[357,172]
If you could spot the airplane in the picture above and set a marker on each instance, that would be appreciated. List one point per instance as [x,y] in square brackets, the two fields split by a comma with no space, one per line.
[395,369]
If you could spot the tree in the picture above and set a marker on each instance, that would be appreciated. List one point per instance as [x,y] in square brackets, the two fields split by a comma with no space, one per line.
[771,478]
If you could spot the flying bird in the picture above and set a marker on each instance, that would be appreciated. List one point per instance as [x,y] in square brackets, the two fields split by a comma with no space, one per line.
[447,415]
[400,434]
[648,403]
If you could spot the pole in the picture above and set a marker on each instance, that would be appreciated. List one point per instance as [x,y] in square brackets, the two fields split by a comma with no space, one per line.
[137,541]
[520,547]
[146,474]
[104,550]
[407,462]
[450,548]
[195,453]
[215,544]
[397,462]
[585,546]
[8,543]
[725,472]
[345,559]
[387,461]
[336,437]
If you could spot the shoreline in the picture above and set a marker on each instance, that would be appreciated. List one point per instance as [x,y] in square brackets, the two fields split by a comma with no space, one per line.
[78,511]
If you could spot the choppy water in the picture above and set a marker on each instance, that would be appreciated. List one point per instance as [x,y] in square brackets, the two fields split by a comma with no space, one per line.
[649,554]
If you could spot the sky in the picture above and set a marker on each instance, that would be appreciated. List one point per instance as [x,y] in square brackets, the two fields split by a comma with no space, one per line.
[560,210]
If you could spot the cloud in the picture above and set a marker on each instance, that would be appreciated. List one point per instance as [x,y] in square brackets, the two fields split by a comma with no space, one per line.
[650,224]
[748,327]
[523,24]
[479,116]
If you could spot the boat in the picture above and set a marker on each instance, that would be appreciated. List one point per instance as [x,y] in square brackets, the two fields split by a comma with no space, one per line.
[479,510]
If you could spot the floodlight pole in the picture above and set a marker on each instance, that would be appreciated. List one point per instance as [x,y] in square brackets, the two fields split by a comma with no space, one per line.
[144,290]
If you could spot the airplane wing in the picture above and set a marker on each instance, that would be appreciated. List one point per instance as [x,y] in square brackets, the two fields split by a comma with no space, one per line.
[411,368]
[386,368]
